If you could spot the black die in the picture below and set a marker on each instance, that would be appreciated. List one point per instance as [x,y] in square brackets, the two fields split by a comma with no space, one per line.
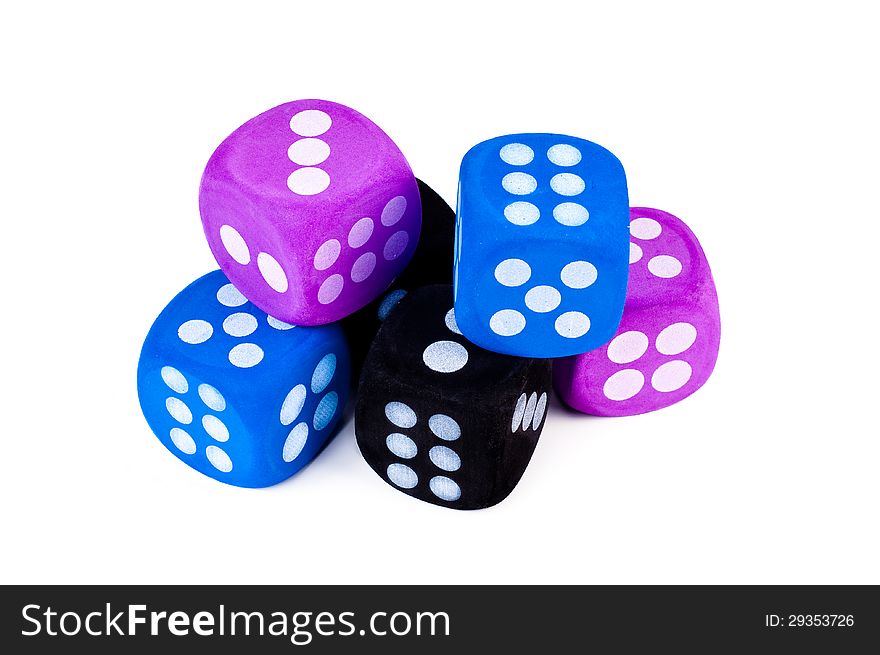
[442,419]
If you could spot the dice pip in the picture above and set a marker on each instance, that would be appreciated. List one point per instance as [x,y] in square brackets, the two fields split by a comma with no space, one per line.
[541,245]
[237,394]
[441,419]
[311,211]
[431,264]
[667,342]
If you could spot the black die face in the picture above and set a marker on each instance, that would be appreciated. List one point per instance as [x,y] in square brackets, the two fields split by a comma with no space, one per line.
[431,264]
[435,414]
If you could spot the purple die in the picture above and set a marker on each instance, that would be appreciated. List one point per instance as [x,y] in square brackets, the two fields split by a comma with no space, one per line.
[667,342]
[311,210]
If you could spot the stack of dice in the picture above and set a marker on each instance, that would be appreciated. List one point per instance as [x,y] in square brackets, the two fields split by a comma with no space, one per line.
[340,271]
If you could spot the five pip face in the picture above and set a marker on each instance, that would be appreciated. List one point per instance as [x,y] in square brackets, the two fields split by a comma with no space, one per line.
[314,216]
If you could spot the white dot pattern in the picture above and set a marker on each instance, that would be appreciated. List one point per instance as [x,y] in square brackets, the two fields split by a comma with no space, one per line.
[219,459]
[293,404]
[400,414]
[563,154]
[445,427]
[215,427]
[183,441]
[540,408]
[444,458]
[195,331]
[543,299]
[278,325]
[229,296]
[235,244]
[676,338]
[624,384]
[513,272]
[518,412]
[325,411]
[174,379]
[570,214]
[363,267]
[665,266]
[295,442]
[507,322]
[330,289]
[627,347]
[522,213]
[212,398]
[396,245]
[393,211]
[240,324]
[444,488]
[327,254]
[245,355]
[308,152]
[179,410]
[402,475]
[529,412]
[578,274]
[645,228]
[272,272]
[519,184]
[308,181]
[671,376]
[635,253]
[572,325]
[516,154]
[310,122]
[323,374]
[449,319]
[445,356]
[360,232]
[567,184]
[401,445]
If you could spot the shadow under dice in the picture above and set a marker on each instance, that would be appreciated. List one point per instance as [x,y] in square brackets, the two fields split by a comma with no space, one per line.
[440,418]
[541,245]
[236,394]
[668,339]
[311,210]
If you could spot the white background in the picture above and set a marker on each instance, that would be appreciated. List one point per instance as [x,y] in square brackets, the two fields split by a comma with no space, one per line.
[757,125]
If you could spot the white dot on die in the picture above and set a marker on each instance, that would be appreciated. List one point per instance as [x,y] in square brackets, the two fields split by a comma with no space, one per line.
[295,442]
[401,445]
[567,184]
[665,266]
[178,410]
[507,322]
[578,275]
[393,211]
[572,325]
[395,245]
[293,404]
[400,414]
[445,356]
[272,272]
[444,488]
[388,303]
[518,412]
[571,214]
[310,122]
[516,154]
[529,412]
[325,411]
[676,338]
[445,427]
[363,267]
[195,331]
[635,253]
[215,427]
[278,325]
[402,475]
[543,298]
[539,411]
[174,379]
[235,244]
[360,232]
[513,272]
[219,459]
[308,152]
[330,289]
[519,184]
[245,355]
[240,324]
[212,398]
[308,181]
[183,441]
[323,373]
[671,376]
[563,154]
[449,319]
[522,213]
[627,347]
[444,458]
[645,228]
[229,296]
[624,384]
[326,254]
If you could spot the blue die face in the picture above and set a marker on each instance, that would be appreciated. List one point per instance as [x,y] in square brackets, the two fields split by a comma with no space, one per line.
[238,395]
[542,245]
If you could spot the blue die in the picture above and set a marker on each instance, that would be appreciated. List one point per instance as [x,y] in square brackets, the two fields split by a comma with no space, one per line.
[542,245]
[238,395]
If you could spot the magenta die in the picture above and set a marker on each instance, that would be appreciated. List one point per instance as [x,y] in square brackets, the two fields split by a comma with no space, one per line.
[667,342]
[311,211]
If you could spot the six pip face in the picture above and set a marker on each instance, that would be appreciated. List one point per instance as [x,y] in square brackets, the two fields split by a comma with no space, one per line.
[541,245]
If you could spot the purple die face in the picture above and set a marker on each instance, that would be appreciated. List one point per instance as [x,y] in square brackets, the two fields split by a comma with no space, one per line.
[667,342]
[311,211]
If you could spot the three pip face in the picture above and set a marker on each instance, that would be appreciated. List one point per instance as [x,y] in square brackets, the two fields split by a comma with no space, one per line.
[335,259]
